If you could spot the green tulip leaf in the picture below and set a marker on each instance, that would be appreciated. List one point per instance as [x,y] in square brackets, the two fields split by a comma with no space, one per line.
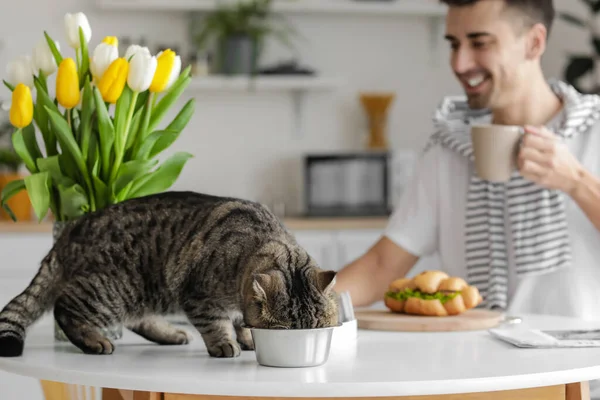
[31,143]
[66,140]
[162,178]
[8,85]
[134,128]
[85,58]
[52,165]
[57,56]
[155,143]
[129,172]
[167,101]
[121,110]
[10,190]
[87,111]
[181,120]
[101,191]
[38,188]
[73,201]
[107,133]
[20,146]
[43,101]
[41,116]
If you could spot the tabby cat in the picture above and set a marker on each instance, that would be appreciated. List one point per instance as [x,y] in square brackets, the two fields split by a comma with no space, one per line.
[225,263]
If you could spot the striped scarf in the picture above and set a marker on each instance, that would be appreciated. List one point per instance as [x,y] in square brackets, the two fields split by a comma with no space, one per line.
[535,216]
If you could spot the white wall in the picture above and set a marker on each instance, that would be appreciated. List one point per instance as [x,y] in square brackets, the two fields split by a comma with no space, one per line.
[243,143]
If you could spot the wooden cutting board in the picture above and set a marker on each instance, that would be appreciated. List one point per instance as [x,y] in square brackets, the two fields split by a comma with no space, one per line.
[385,320]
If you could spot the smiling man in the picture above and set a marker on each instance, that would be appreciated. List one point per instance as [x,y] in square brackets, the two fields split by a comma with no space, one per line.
[531,245]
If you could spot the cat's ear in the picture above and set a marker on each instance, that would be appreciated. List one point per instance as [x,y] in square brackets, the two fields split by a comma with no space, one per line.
[260,285]
[326,281]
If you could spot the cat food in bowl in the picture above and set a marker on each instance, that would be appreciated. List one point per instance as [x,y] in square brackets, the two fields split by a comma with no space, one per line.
[292,348]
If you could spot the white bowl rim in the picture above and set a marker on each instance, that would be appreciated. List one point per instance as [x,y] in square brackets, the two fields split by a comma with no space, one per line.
[292,330]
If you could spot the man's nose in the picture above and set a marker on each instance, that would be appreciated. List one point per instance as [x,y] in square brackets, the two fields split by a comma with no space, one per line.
[463,60]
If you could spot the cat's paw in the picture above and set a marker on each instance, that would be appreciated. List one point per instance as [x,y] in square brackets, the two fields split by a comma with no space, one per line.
[182,337]
[177,337]
[245,341]
[97,345]
[226,349]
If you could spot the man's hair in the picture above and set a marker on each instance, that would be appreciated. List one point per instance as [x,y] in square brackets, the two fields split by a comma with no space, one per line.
[533,11]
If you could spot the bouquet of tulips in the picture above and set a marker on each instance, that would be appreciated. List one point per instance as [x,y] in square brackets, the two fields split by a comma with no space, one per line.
[100,133]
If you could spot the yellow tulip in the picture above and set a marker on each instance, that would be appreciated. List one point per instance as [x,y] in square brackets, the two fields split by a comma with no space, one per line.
[113,81]
[21,108]
[67,84]
[167,69]
[111,40]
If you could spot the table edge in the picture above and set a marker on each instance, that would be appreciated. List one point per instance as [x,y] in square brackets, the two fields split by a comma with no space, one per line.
[313,389]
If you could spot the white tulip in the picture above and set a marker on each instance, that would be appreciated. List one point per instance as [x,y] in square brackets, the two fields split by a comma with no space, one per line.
[175,71]
[141,71]
[104,54]
[43,59]
[135,49]
[20,70]
[72,24]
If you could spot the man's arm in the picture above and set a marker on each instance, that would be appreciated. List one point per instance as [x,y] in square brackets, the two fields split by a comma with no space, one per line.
[548,162]
[368,277]
[586,193]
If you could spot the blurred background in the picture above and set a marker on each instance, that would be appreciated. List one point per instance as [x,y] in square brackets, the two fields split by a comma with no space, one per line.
[325,131]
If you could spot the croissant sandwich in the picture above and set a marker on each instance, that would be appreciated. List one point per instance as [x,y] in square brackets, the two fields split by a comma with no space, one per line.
[431,293]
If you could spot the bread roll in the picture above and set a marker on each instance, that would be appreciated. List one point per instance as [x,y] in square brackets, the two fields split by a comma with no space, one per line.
[395,305]
[452,284]
[439,284]
[429,281]
[471,296]
[416,306]
[401,284]
[455,306]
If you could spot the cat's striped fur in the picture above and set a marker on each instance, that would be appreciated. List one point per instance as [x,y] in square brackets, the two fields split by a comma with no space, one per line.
[222,261]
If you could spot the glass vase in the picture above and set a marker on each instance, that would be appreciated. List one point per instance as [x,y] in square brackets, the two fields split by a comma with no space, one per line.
[112,333]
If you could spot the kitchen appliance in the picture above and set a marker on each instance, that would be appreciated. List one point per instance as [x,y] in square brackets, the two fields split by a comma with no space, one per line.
[347,184]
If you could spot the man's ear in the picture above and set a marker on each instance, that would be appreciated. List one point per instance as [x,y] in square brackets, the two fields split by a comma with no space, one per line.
[536,41]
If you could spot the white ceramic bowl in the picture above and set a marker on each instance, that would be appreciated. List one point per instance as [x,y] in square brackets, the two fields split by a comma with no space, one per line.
[292,348]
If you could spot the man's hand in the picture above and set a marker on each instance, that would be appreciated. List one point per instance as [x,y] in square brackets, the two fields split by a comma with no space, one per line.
[545,160]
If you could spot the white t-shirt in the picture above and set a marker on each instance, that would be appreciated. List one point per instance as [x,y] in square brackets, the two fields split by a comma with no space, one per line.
[429,220]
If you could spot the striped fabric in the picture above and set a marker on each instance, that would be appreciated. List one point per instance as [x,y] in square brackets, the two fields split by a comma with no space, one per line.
[533,218]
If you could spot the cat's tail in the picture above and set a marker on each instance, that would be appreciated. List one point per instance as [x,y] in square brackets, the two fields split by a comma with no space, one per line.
[27,307]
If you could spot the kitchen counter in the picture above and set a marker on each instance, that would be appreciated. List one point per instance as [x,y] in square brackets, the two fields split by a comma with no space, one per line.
[293,223]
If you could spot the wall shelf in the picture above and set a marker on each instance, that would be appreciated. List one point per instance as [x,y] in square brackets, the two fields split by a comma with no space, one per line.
[430,8]
[263,83]
[297,86]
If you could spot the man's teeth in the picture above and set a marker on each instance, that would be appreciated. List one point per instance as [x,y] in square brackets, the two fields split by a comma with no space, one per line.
[476,80]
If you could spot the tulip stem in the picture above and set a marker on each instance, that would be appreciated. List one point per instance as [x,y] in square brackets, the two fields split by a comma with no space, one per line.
[78,58]
[123,141]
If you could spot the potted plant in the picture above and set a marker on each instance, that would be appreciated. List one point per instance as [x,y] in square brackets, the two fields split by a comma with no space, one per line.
[10,170]
[583,70]
[101,128]
[238,33]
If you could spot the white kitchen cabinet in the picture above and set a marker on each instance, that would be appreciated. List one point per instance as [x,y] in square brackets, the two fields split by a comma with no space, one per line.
[335,249]
[353,244]
[321,246]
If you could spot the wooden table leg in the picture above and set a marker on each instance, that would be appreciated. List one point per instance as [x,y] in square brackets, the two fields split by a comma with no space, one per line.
[578,391]
[120,394]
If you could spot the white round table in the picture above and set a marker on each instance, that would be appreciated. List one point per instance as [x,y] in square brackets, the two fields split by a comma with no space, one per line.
[375,364]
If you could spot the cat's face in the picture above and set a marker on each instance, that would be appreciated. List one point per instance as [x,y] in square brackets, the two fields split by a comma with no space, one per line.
[301,300]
